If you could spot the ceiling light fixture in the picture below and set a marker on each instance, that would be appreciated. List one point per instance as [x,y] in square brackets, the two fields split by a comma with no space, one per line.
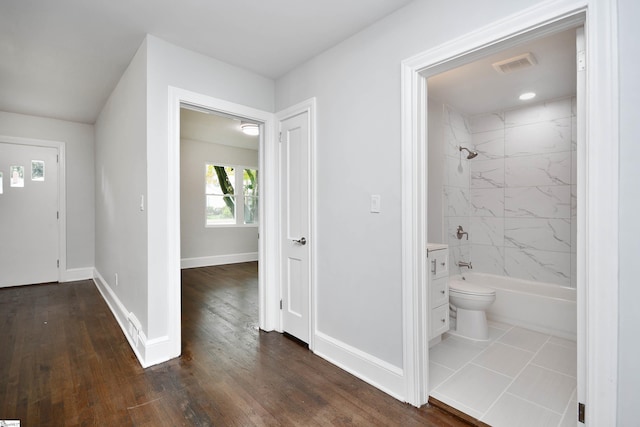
[527,96]
[250,128]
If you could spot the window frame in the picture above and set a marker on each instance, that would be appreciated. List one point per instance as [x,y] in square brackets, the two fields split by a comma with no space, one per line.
[238,195]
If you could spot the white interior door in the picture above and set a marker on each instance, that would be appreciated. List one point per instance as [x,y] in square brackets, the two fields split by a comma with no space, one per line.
[28,214]
[295,247]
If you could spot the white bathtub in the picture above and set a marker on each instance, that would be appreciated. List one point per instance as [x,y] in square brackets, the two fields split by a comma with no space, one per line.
[538,306]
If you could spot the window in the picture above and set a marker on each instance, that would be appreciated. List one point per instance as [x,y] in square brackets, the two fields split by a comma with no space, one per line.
[231,194]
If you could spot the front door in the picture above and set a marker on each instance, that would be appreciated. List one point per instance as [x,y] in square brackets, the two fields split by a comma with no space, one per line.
[294,182]
[28,214]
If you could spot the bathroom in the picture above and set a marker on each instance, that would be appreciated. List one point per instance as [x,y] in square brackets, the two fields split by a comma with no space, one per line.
[502,195]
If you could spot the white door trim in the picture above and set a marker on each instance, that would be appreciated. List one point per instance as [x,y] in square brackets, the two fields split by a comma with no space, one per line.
[308,106]
[601,237]
[62,194]
[268,284]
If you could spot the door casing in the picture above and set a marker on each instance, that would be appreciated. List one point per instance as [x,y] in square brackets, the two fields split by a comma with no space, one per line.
[269,222]
[599,245]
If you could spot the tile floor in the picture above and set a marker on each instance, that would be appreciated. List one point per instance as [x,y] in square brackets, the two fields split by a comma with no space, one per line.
[518,378]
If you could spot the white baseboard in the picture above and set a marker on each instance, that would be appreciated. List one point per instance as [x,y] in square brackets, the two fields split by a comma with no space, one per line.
[208,261]
[377,372]
[128,323]
[74,274]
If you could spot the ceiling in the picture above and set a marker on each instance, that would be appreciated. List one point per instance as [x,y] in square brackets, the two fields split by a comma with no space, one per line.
[62,58]
[477,87]
[214,128]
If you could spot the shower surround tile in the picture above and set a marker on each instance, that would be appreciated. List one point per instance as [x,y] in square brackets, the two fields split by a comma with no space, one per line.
[456,131]
[457,254]
[487,173]
[452,227]
[458,171]
[538,202]
[487,202]
[457,201]
[539,266]
[545,137]
[546,111]
[487,122]
[540,234]
[538,170]
[488,259]
[489,145]
[487,230]
[515,198]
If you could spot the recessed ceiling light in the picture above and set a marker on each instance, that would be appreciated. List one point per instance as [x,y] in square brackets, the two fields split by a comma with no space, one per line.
[527,95]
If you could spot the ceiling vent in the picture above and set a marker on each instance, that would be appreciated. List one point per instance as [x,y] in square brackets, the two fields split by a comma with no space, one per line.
[516,63]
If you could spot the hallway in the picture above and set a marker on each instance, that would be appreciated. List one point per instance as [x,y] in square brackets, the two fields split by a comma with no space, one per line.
[65,361]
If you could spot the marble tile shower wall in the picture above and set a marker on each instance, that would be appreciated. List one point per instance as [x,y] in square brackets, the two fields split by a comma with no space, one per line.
[521,195]
[456,189]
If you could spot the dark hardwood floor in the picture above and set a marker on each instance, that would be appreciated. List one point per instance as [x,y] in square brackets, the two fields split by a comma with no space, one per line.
[65,361]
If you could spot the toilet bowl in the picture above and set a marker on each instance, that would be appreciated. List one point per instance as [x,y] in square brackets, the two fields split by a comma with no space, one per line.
[468,305]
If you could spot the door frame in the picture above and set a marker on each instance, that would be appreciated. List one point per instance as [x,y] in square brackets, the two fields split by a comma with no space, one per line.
[309,107]
[62,195]
[597,273]
[268,273]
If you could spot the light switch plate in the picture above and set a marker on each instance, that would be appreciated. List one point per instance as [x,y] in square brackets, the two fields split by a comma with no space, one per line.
[375,203]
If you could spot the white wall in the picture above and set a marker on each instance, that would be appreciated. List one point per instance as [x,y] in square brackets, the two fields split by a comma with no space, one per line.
[357,85]
[629,315]
[198,241]
[121,176]
[169,65]
[79,149]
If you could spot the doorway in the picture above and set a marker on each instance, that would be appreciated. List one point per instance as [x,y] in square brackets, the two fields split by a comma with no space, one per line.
[514,195]
[269,269]
[598,270]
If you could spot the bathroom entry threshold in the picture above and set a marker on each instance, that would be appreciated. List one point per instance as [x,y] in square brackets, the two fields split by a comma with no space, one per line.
[456,412]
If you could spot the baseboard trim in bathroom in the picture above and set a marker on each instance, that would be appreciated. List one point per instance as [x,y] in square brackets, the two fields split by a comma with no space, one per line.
[456,412]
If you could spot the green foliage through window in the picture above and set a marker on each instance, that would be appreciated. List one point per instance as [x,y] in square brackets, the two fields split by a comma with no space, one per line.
[230,198]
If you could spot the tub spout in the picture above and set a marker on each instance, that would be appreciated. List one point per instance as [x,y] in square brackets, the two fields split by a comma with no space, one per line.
[465,264]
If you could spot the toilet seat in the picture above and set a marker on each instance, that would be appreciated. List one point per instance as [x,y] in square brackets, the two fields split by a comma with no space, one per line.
[466,288]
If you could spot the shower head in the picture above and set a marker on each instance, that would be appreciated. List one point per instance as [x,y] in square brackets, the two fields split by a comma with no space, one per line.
[471,155]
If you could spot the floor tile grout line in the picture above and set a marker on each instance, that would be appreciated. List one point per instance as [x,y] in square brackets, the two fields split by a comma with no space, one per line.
[473,361]
[514,379]
[554,371]
[566,409]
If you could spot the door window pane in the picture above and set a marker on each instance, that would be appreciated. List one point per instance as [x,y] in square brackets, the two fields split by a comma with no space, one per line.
[17,176]
[37,170]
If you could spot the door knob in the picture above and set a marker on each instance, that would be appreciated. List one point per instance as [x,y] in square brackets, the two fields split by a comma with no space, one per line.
[301,240]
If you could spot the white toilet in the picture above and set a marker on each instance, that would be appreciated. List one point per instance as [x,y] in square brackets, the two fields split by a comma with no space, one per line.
[468,304]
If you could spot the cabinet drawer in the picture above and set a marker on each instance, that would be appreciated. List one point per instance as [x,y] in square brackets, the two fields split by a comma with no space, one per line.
[439,292]
[438,263]
[439,320]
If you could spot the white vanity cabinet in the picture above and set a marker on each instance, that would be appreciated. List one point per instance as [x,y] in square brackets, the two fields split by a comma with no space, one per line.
[438,288]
